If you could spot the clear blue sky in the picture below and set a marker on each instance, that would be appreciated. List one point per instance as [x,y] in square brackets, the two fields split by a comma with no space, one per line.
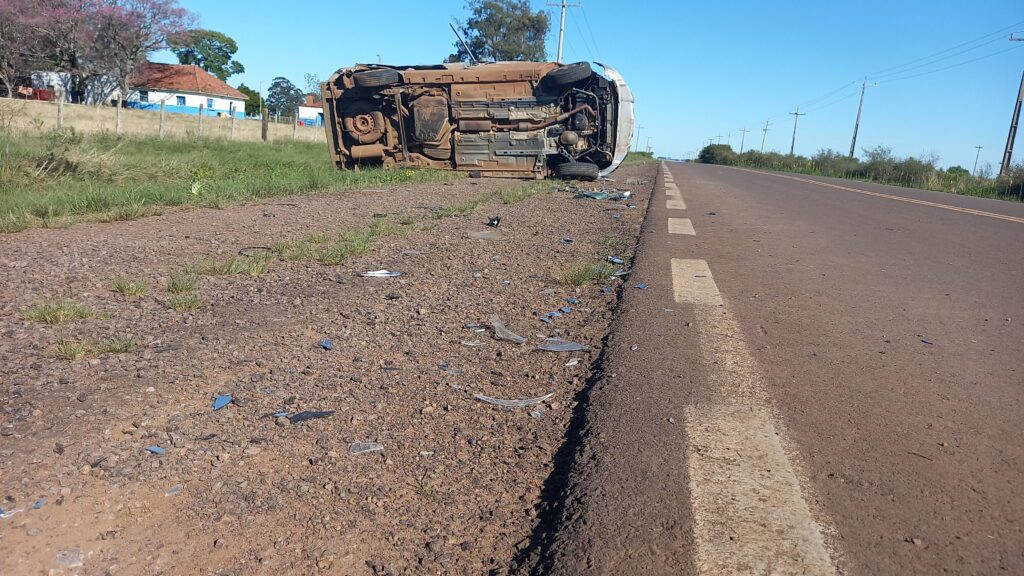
[703,69]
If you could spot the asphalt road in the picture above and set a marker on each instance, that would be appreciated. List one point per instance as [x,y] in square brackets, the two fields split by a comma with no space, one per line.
[822,377]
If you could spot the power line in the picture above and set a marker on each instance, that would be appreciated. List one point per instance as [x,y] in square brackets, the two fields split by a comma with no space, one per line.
[586,21]
[950,49]
[586,42]
[944,68]
[930,61]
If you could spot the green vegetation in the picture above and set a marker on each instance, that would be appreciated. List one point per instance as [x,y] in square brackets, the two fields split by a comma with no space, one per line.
[639,157]
[185,302]
[880,165]
[127,287]
[183,281]
[333,250]
[517,194]
[580,274]
[254,265]
[69,349]
[62,176]
[464,208]
[58,313]
[616,245]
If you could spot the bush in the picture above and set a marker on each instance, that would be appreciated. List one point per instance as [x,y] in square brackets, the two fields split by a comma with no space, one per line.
[717,154]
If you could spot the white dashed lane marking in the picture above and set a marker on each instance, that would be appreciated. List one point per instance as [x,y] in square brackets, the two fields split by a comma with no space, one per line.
[680,226]
[749,514]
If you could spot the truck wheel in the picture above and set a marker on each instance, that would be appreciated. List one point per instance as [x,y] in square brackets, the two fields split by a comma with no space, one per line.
[577,171]
[568,74]
[376,78]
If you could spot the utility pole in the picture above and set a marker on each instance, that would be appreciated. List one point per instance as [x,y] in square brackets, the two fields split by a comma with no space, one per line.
[649,144]
[743,140]
[637,147]
[1008,151]
[561,28]
[975,171]
[796,118]
[763,138]
[856,125]
[719,139]
[728,139]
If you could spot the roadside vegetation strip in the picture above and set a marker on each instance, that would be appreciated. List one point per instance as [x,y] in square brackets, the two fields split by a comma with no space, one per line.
[881,166]
[749,512]
[60,177]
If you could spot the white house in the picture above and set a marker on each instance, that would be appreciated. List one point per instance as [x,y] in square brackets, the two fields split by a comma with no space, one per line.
[184,89]
[97,90]
[311,111]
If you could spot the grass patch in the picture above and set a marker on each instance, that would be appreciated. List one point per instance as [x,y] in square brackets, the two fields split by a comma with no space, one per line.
[464,208]
[616,245]
[580,274]
[70,349]
[60,312]
[127,287]
[60,177]
[185,302]
[639,158]
[183,281]
[333,250]
[255,265]
[517,194]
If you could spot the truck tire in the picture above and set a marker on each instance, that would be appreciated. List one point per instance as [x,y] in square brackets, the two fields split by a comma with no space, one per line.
[568,74]
[577,171]
[378,78]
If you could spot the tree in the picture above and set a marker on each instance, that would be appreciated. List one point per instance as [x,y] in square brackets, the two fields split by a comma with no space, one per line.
[132,29]
[252,105]
[502,30]
[313,85]
[717,154]
[20,47]
[210,50]
[283,97]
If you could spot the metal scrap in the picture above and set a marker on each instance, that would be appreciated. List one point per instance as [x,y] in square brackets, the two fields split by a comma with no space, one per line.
[513,403]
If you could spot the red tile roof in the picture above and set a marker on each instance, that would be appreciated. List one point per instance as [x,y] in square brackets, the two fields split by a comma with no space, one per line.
[182,78]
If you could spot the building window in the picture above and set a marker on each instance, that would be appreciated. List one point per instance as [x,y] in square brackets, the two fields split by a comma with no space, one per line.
[209,103]
[179,100]
[143,95]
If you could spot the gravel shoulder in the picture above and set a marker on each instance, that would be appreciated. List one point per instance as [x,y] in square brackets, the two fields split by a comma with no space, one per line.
[459,484]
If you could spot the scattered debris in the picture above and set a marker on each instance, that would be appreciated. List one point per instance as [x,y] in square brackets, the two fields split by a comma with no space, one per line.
[156,450]
[572,362]
[39,503]
[472,343]
[712,214]
[593,194]
[572,300]
[513,403]
[616,260]
[380,274]
[633,347]
[565,240]
[544,319]
[565,309]
[9,513]
[561,345]
[327,344]
[501,332]
[364,447]
[310,415]
[494,221]
[929,342]
[174,489]
[642,286]
[606,289]
[71,558]
[221,401]
[538,414]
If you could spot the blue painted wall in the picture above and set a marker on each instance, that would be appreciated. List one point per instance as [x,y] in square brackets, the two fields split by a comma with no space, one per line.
[193,110]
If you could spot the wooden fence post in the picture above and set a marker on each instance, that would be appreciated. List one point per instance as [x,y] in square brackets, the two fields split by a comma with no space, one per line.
[295,124]
[266,124]
[117,117]
[60,109]
[162,119]
[232,136]
[200,120]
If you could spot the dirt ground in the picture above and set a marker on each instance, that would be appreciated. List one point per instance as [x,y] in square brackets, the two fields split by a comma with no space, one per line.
[457,488]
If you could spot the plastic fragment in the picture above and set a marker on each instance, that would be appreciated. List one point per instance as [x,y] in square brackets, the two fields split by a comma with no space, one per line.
[71,558]
[616,260]
[494,221]
[280,414]
[555,314]
[327,344]
[565,240]
[502,332]
[174,490]
[620,273]
[380,274]
[565,309]
[364,447]
[712,214]
[513,403]
[9,513]
[221,401]
[544,319]
[929,342]
[595,194]
[633,347]
[572,300]
[156,450]
[472,343]
[606,289]
[572,362]
[642,286]
[561,345]
[310,415]
[39,503]
[538,414]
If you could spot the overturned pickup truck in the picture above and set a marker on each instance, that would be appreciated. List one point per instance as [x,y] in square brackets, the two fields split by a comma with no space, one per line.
[511,119]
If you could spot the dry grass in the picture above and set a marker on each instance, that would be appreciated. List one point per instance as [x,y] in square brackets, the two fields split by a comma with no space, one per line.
[185,302]
[580,274]
[182,281]
[59,312]
[127,287]
[255,265]
[70,349]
